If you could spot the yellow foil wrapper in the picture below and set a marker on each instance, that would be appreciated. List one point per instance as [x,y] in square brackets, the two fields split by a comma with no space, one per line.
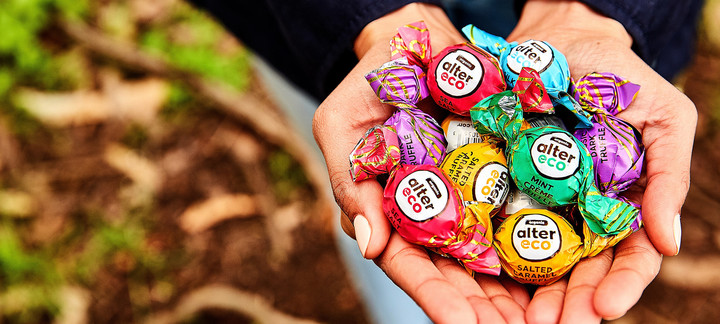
[479,171]
[537,246]
[594,243]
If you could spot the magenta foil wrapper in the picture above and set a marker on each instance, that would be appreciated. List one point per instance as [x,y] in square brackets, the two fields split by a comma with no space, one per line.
[402,85]
[426,209]
[378,152]
[615,146]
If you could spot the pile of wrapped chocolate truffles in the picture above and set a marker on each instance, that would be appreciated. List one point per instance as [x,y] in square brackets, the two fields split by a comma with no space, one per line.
[526,174]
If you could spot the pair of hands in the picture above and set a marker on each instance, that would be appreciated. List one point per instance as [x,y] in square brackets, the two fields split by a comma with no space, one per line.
[605,286]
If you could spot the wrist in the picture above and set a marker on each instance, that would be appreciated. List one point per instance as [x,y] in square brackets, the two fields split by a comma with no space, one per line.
[380,31]
[570,18]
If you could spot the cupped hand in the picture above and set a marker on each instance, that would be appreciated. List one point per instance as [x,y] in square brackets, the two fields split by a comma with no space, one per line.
[609,284]
[442,288]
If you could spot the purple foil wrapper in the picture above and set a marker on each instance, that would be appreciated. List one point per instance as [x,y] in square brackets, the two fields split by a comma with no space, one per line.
[420,136]
[616,152]
[399,83]
[604,93]
[615,146]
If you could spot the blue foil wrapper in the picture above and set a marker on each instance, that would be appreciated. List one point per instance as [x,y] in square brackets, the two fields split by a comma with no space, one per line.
[539,55]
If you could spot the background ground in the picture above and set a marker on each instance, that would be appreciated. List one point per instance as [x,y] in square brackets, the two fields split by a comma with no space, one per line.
[142,182]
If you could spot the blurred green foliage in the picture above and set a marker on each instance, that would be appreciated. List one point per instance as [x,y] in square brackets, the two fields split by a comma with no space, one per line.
[190,41]
[29,278]
[24,60]
[286,175]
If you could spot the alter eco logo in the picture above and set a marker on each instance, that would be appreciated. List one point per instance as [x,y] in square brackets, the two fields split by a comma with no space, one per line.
[491,184]
[555,155]
[535,54]
[459,73]
[421,195]
[536,237]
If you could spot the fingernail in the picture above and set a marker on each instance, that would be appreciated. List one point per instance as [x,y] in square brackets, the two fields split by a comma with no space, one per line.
[362,233]
[677,229]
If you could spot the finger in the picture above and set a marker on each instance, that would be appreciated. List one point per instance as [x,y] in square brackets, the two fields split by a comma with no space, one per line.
[517,291]
[460,278]
[339,123]
[361,203]
[410,267]
[547,303]
[635,265]
[503,300]
[583,283]
[668,139]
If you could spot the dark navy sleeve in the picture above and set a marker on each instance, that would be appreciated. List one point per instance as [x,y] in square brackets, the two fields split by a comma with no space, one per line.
[308,41]
[664,31]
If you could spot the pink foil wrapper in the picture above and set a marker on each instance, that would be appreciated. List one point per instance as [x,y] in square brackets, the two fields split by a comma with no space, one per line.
[462,75]
[531,92]
[458,77]
[412,41]
[426,209]
[378,152]
[402,85]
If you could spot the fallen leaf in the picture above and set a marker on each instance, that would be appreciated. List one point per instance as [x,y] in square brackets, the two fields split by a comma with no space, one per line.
[203,215]
[16,203]
[137,101]
[140,170]
[80,107]
[150,10]
[216,296]
[75,302]
[280,226]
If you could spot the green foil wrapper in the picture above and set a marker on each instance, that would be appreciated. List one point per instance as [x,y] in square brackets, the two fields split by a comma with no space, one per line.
[550,165]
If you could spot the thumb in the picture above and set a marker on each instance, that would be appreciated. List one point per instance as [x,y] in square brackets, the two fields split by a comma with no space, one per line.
[361,203]
[668,181]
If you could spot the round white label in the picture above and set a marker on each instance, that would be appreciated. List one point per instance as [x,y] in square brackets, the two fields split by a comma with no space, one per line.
[555,155]
[460,132]
[536,237]
[421,195]
[459,73]
[491,184]
[531,53]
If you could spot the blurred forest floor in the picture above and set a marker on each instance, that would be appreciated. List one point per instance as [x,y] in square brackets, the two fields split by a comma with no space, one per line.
[146,178]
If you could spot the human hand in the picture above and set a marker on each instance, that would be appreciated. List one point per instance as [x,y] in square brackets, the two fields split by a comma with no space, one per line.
[608,285]
[440,286]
